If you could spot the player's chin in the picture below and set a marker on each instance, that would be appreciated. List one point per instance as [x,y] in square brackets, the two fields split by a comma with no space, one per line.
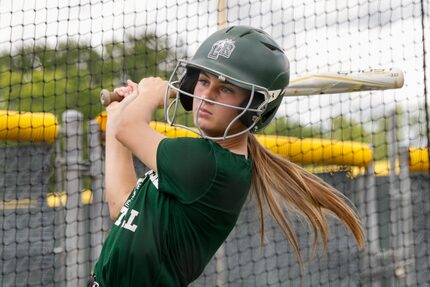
[213,131]
[207,128]
[210,128]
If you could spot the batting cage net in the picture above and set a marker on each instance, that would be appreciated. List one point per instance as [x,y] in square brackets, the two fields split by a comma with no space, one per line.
[56,57]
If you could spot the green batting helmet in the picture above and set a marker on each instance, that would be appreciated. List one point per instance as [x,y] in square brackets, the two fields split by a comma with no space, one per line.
[248,58]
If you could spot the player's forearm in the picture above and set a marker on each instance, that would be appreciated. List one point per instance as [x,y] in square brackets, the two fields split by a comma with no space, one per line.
[135,119]
[120,176]
[137,112]
[133,129]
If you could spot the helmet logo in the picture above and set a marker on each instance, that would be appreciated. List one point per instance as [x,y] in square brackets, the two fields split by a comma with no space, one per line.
[273,95]
[222,48]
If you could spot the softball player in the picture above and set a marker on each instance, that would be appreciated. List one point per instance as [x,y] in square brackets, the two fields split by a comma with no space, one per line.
[170,224]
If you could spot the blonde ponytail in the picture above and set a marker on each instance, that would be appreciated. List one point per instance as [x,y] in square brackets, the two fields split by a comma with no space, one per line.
[278,183]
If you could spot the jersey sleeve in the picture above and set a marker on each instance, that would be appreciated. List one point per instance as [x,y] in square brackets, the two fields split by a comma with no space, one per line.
[186,168]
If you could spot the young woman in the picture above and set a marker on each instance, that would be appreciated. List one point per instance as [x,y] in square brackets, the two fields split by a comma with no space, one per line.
[169,225]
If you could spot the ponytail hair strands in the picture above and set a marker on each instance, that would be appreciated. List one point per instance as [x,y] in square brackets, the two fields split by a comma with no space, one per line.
[278,183]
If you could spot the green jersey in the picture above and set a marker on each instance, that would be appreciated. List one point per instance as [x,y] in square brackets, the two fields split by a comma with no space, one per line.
[174,221]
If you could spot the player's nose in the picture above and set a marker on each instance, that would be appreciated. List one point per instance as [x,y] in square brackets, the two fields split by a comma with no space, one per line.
[209,93]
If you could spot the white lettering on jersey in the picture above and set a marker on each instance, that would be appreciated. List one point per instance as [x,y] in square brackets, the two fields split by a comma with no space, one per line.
[153,176]
[127,223]
[133,194]
[123,211]
[139,183]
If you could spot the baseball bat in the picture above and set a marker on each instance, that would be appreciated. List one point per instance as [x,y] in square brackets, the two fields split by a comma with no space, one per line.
[107,97]
[345,82]
[323,83]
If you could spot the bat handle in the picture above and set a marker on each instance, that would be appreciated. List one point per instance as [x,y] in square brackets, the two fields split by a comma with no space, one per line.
[107,97]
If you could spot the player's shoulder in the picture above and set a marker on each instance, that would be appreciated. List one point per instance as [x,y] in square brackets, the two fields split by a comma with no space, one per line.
[186,144]
[185,151]
[188,140]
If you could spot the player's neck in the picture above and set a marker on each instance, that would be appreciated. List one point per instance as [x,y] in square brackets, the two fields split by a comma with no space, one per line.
[238,144]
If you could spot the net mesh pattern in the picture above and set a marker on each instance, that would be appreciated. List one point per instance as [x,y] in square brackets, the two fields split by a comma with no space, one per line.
[56,56]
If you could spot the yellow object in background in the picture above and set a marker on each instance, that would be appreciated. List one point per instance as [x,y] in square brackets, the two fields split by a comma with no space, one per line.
[419,159]
[311,150]
[57,199]
[305,151]
[26,126]
[318,151]
[167,130]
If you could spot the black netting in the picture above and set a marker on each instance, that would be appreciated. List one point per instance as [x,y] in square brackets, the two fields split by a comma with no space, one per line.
[56,56]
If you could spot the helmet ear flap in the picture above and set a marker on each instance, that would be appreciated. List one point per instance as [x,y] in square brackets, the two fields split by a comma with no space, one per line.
[187,84]
[249,117]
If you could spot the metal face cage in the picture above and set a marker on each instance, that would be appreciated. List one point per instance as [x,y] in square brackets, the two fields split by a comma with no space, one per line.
[171,108]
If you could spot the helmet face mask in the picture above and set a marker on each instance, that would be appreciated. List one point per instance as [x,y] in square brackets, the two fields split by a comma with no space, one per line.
[244,57]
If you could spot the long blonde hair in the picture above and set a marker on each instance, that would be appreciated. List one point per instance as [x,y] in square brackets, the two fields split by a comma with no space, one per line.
[274,178]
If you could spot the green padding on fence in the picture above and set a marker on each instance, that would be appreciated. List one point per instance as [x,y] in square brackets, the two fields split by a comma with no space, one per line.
[26,126]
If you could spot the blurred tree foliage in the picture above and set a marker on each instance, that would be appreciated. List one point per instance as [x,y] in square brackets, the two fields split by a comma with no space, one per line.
[285,126]
[71,74]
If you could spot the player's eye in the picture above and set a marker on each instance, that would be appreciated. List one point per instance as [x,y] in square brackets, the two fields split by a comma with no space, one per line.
[203,82]
[227,90]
